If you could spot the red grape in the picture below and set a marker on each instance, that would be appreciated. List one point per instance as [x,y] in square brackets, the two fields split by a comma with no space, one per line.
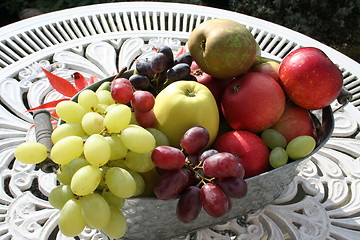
[121,80]
[222,165]
[195,139]
[214,200]
[193,159]
[145,119]
[233,186]
[193,178]
[143,101]
[167,157]
[189,204]
[171,184]
[121,93]
[229,204]
[207,153]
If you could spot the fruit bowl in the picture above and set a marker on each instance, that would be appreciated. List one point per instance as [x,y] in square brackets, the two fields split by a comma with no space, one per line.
[151,218]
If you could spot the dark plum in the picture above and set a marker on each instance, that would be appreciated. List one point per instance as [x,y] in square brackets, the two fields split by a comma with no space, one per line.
[178,72]
[143,67]
[167,51]
[159,63]
[184,58]
[140,82]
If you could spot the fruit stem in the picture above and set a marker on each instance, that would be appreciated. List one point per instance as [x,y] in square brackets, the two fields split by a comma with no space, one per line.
[236,88]
[203,44]
[193,168]
[190,93]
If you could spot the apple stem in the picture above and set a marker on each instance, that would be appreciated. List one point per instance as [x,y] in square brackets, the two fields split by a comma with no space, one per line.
[203,44]
[190,93]
[236,88]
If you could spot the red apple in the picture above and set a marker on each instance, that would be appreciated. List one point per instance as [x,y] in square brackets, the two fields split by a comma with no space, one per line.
[310,78]
[294,122]
[216,86]
[253,102]
[249,147]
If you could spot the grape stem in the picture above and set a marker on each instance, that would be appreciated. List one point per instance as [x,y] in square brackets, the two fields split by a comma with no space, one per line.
[120,73]
[192,168]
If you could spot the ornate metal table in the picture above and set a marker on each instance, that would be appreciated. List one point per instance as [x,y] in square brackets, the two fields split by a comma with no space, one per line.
[323,200]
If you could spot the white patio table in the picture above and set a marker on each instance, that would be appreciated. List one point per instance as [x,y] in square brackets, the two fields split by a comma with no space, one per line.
[323,200]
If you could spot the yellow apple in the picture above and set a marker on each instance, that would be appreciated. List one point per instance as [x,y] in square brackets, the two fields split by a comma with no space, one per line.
[185,104]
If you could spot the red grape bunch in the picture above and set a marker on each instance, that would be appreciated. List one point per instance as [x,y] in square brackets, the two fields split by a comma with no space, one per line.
[141,102]
[201,178]
[163,68]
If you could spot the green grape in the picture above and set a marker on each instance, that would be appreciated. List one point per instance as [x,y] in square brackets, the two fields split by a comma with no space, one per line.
[111,106]
[278,157]
[104,86]
[96,210]
[85,180]
[31,152]
[104,97]
[273,138]
[160,138]
[66,172]
[300,147]
[70,111]
[97,150]
[67,149]
[88,100]
[60,195]
[139,162]
[120,182]
[112,199]
[102,184]
[133,119]
[140,183]
[117,163]
[151,178]
[117,225]
[117,118]
[92,123]
[71,220]
[67,129]
[118,149]
[138,139]
[101,108]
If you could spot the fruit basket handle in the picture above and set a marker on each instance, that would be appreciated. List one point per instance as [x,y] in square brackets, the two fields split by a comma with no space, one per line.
[43,130]
[343,99]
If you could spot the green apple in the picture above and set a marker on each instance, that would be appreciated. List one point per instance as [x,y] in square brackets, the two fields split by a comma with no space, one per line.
[185,104]
[223,48]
